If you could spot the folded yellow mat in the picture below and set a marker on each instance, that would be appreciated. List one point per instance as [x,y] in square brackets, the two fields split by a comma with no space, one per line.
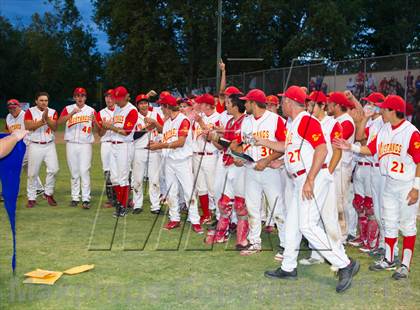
[49,279]
[78,269]
[39,273]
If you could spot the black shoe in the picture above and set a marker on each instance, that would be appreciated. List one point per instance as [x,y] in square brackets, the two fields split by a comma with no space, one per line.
[158,212]
[120,212]
[74,203]
[281,274]
[345,276]
[86,205]
[137,210]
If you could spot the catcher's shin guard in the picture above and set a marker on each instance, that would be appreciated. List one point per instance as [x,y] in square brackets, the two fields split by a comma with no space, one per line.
[363,228]
[242,228]
[358,203]
[372,234]
[223,224]
[368,206]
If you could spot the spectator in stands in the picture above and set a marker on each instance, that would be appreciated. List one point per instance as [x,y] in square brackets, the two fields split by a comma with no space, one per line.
[312,85]
[324,88]
[384,86]
[371,83]
[409,78]
[418,88]
[351,86]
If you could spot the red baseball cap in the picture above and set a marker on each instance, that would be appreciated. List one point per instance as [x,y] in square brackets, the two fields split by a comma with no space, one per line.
[169,100]
[119,93]
[375,98]
[340,99]
[394,102]
[295,93]
[109,92]
[256,95]
[232,90]
[272,99]
[205,99]
[13,103]
[317,96]
[142,97]
[162,95]
[80,91]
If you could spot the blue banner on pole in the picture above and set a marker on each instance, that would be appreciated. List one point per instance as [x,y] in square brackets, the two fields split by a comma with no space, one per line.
[10,169]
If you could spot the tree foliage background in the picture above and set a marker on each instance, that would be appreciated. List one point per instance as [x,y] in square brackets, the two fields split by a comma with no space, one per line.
[167,44]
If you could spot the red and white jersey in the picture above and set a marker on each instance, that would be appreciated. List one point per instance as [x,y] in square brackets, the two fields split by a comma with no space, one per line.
[269,126]
[105,115]
[398,149]
[159,111]
[13,123]
[372,132]
[199,140]
[126,118]
[174,128]
[44,133]
[304,134]
[79,128]
[224,118]
[232,132]
[349,132]
[152,135]
[332,130]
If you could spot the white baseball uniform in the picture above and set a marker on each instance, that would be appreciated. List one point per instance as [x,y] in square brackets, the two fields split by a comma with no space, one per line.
[106,115]
[269,126]
[178,167]
[41,148]
[79,137]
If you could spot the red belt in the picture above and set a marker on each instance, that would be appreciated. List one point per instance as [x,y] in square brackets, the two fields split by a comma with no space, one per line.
[376,164]
[203,153]
[361,163]
[116,142]
[41,142]
[300,172]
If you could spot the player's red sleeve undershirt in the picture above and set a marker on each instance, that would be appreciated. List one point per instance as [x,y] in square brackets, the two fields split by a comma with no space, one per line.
[130,121]
[184,128]
[310,129]
[336,132]
[28,115]
[372,146]
[219,106]
[99,118]
[55,116]
[280,130]
[159,119]
[64,112]
[367,131]
[414,147]
[348,129]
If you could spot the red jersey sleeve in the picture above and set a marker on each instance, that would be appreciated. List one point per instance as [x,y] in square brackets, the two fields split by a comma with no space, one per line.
[219,106]
[130,121]
[372,146]
[159,119]
[336,132]
[280,130]
[367,131]
[310,129]
[98,118]
[414,147]
[348,129]
[64,112]
[55,116]
[184,128]
[28,115]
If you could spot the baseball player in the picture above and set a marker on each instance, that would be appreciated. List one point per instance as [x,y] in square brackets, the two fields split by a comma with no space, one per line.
[107,114]
[41,121]
[79,119]
[146,162]
[205,154]
[122,132]
[259,177]
[338,107]
[305,153]
[232,186]
[398,147]
[16,120]
[177,152]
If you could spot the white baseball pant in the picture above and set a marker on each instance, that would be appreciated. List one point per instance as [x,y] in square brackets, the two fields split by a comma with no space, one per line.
[362,181]
[106,155]
[378,187]
[303,217]
[121,158]
[38,153]
[79,160]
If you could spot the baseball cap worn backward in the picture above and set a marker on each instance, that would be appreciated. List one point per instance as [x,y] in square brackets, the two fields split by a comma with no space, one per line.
[318,97]
[13,103]
[79,91]
[232,90]
[340,99]
[142,97]
[205,99]
[120,93]
[256,95]
[394,102]
[272,99]
[295,93]
[374,97]
[109,92]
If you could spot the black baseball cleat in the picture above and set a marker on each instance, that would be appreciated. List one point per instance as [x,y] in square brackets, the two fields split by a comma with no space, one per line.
[158,212]
[281,274]
[401,273]
[86,205]
[345,276]
[74,203]
[137,210]
[383,264]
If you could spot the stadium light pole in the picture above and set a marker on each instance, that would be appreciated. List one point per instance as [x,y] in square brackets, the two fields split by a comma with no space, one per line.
[219,43]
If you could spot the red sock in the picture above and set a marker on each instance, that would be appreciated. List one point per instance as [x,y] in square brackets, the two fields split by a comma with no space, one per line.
[204,204]
[389,248]
[117,191]
[408,250]
[124,196]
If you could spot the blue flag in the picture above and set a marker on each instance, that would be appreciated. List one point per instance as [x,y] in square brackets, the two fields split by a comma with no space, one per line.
[10,168]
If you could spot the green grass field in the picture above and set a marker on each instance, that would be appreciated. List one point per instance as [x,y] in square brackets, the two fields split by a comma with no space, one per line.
[160,275]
